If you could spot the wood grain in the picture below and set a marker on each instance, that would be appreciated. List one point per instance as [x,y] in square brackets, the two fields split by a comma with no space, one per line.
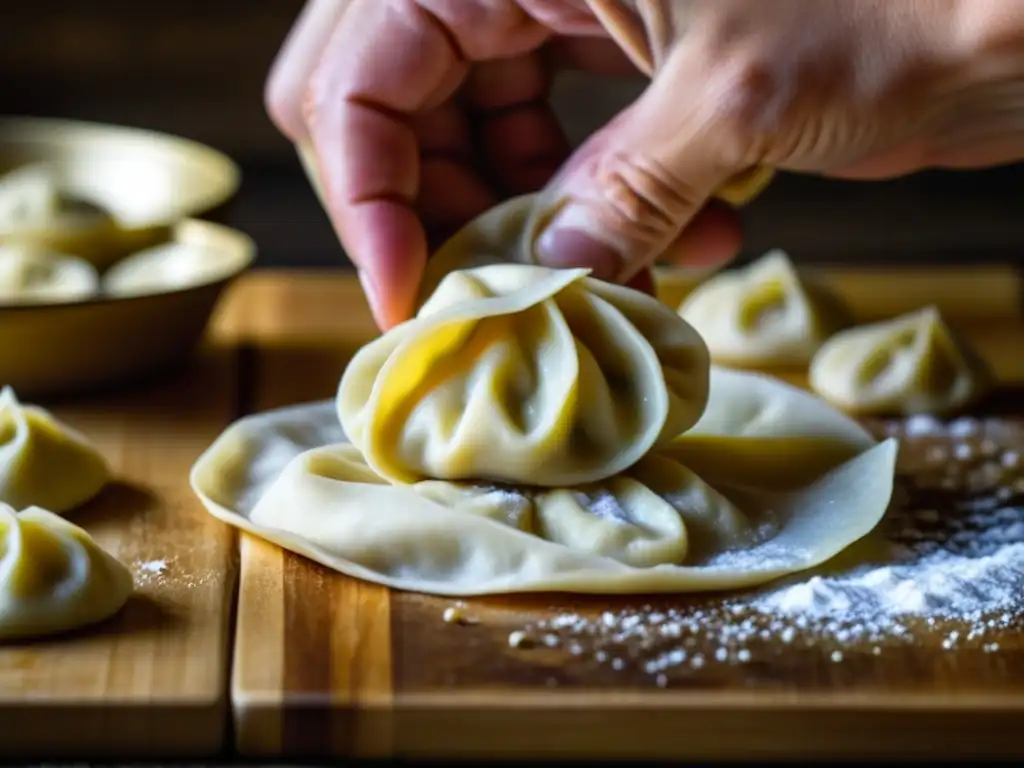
[328,666]
[151,682]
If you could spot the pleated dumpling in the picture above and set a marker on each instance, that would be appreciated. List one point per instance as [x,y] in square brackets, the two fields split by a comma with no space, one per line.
[44,463]
[764,315]
[520,374]
[32,274]
[54,577]
[168,267]
[911,364]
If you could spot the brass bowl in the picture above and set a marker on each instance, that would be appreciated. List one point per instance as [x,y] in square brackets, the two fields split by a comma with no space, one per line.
[49,350]
[147,181]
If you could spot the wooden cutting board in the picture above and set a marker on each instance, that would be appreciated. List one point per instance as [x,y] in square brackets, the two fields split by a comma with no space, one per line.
[326,665]
[151,682]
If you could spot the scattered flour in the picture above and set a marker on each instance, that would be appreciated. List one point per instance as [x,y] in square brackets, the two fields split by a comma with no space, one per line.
[954,577]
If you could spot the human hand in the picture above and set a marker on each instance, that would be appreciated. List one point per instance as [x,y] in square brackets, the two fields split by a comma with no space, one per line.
[384,90]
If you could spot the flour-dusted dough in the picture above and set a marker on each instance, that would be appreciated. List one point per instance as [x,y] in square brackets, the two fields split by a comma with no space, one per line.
[167,267]
[32,274]
[54,577]
[911,364]
[521,374]
[44,463]
[660,526]
[764,315]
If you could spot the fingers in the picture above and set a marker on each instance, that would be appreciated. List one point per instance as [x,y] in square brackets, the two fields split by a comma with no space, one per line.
[628,194]
[298,57]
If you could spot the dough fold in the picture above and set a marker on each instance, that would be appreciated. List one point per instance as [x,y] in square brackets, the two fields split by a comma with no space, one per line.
[54,577]
[44,463]
[521,374]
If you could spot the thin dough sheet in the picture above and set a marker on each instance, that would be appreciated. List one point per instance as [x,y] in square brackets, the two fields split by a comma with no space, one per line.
[718,509]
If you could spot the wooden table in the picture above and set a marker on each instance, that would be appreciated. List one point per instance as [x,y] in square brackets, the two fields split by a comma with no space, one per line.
[325,665]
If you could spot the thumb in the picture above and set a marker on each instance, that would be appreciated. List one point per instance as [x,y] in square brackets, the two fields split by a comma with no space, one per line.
[626,196]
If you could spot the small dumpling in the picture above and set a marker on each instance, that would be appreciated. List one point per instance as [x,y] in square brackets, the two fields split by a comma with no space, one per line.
[44,463]
[909,365]
[764,315]
[167,267]
[30,274]
[521,374]
[29,196]
[54,577]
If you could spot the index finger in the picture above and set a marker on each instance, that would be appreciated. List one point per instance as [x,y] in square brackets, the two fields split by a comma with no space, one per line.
[387,61]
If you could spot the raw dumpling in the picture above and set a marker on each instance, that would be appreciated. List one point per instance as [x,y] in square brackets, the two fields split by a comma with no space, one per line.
[911,364]
[167,267]
[708,515]
[29,196]
[30,274]
[763,315]
[44,463]
[521,374]
[53,576]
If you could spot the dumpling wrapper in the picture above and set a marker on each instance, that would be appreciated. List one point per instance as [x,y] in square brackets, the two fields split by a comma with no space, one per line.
[32,200]
[911,364]
[167,267]
[54,577]
[44,463]
[520,374]
[30,274]
[288,476]
[764,315]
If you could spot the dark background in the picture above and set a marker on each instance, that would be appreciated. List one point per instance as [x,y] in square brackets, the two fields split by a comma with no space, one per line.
[197,69]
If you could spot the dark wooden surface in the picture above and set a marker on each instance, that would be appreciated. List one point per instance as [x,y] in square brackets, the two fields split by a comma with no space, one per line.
[197,69]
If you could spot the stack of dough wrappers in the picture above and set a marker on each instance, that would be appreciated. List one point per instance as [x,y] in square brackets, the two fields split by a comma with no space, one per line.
[540,430]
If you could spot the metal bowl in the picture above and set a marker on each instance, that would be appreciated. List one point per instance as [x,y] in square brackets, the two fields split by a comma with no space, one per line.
[145,180]
[63,349]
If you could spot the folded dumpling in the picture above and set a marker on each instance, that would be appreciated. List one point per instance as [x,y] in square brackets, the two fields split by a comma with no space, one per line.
[168,267]
[521,374]
[911,364]
[778,483]
[29,196]
[54,577]
[44,463]
[32,274]
[764,315]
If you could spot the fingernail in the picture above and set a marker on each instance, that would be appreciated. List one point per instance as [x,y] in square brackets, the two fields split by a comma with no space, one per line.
[568,242]
[372,298]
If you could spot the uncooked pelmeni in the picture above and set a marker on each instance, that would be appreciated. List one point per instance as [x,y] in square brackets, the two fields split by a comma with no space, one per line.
[35,208]
[44,463]
[30,274]
[54,577]
[909,365]
[520,374]
[764,315]
[723,511]
[167,267]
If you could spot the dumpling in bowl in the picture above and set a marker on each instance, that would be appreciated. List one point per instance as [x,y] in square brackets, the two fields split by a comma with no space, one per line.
[32,275]
[54,577]
[35,209]
[168,267]
[521,374]
[44,463]
[908,365]
[764,315]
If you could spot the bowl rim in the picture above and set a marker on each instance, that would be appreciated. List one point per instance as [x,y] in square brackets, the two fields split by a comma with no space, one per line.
[247,249]
[230,172]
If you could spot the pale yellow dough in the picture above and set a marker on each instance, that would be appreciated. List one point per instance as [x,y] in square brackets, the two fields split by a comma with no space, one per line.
[521,374]
[764,315]
[33,205]
[44,463]
[537,430]
[30,274]
[167,267]
[54,577]
[908,365]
